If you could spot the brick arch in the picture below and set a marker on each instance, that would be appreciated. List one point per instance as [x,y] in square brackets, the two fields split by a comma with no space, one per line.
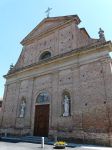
[43,97]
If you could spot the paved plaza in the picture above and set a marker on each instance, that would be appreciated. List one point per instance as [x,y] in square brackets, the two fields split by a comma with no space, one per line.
[30,146]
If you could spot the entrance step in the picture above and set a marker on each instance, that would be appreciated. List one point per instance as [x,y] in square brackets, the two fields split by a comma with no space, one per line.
[35,139]
[29,139]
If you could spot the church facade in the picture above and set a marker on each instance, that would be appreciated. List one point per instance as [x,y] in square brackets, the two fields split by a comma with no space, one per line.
[61,84]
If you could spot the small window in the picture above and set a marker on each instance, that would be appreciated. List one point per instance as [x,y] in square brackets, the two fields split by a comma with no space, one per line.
[45,55]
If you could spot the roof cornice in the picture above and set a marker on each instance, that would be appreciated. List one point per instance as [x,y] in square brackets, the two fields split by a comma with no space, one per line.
[67,19]
[78,51]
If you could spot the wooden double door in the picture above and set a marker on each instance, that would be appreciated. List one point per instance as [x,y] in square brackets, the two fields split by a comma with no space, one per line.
[41,124]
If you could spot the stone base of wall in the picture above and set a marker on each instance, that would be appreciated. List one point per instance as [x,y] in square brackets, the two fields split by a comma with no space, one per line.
[15,131]
[82,137]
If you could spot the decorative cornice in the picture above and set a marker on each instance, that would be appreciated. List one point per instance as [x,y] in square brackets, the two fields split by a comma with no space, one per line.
[78,51]
[43,34]
[66,19]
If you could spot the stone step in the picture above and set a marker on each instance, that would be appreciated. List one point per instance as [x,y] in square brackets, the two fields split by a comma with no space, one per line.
[30,139]
[34,138]
[10,139]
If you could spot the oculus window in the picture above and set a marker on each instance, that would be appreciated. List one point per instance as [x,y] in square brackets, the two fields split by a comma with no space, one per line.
[45,55]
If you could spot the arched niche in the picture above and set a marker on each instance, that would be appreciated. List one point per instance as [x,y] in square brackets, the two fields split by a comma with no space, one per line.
[66,104]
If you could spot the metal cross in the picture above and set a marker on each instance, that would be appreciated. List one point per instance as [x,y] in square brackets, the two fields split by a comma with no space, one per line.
[48,11]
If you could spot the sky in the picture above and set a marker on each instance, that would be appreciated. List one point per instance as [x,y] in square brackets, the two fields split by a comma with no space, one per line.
[19,17]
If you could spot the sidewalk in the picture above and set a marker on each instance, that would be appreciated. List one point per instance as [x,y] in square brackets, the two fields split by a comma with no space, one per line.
[30,146]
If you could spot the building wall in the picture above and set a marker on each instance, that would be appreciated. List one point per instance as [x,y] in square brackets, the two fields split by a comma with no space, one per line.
[90,114]
[60,41]
[89,86]
[86,75]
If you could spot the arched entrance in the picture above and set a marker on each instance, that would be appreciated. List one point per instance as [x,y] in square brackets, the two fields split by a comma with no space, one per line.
[41,123]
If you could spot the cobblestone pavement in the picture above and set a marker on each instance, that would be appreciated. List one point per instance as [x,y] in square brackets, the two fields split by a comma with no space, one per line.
[30,146]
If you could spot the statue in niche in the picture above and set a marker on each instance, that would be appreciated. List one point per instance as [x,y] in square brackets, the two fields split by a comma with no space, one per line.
[66,104]
[22,109]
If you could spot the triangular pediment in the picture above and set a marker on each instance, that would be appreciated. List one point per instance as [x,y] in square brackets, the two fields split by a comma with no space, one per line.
[49,24]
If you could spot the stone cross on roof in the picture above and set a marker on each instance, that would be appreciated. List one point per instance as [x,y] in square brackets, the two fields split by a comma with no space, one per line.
[48,12]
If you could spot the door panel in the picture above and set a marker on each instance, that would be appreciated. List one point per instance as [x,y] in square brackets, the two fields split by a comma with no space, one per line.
[41,125]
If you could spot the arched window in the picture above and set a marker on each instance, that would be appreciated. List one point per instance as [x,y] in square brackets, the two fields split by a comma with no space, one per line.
[45,55]
[43,98]
[66,104]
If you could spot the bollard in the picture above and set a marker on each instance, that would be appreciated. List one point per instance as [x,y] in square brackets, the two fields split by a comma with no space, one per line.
[42,142]
[6,133]
[55,138]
